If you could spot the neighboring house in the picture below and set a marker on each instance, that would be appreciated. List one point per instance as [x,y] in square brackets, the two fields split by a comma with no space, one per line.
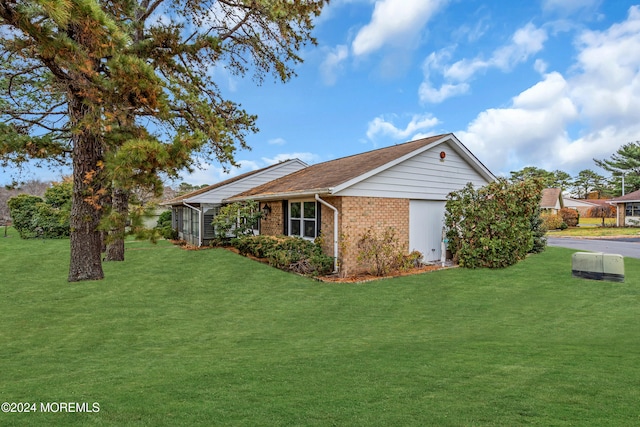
[628,209]
[403,186]
[551,200]
[193,213]
[582,206]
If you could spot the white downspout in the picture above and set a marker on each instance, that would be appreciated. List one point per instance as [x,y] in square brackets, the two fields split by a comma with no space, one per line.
[335,232]
[199,221]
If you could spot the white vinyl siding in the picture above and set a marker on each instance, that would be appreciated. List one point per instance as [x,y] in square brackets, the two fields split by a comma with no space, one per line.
[217,195]
[424,176]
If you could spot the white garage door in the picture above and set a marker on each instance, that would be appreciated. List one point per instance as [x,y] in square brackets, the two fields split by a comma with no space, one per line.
[426,219]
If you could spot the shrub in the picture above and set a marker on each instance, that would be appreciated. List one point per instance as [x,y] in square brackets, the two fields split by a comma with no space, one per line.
[538,230]
[59,195]
[164,219]
[383,253]
[164,226]
[236,219]
[286,253]
[49,218]
[492,226]
[23,210]
[51,222]
[571,217]
[552,221]
[169,233]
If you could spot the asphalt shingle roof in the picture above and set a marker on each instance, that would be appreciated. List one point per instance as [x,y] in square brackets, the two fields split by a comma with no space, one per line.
[631,197]
[550,197]
[327,175]
[179,199]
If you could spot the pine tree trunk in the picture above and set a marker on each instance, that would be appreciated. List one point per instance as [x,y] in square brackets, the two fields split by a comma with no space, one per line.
[86,241]
[115,245]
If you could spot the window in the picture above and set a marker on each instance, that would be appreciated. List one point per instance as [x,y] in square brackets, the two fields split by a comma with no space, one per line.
[195,222]
[302,219]
[633,209]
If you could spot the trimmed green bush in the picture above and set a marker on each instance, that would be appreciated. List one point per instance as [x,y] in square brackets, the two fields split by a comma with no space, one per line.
[286,253]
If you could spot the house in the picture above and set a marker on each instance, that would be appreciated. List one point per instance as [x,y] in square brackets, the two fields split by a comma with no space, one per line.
[551,200]
[628,209]
[402,186]
[582,206]
[192,213]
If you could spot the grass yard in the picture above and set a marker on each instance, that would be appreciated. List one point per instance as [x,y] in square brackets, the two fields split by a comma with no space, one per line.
[608,222]
[595,232]
[174,337]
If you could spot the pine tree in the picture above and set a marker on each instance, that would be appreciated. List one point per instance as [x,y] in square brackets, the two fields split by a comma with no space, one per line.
[625,161]
[128,96]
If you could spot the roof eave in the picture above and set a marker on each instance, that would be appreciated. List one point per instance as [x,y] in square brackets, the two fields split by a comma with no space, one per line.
[280,196]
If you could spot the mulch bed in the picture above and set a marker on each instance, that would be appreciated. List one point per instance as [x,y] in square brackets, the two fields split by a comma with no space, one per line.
[363,278]
[335,278]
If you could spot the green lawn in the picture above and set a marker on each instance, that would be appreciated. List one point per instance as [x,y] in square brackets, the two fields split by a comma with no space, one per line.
[174,337]
[608,222]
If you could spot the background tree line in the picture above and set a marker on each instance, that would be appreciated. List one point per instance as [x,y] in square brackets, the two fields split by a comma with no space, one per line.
[623,165]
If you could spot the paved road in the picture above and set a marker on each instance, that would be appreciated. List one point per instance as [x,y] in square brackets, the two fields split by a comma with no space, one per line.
[629,247]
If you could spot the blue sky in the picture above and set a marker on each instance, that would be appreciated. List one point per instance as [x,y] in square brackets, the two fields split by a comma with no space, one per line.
[547,83]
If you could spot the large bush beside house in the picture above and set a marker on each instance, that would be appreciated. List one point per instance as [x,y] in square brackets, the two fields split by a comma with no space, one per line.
[493,226]
[286,253]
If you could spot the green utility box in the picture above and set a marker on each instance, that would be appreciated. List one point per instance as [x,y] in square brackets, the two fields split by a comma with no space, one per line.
[598,266]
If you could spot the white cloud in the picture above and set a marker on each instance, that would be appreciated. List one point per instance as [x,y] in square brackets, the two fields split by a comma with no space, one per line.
[428,93]
[277,141]
[534,124]
[306,157]
[394,22]
[417,125]
[209,174]
[607,80]
[332,64]
[601,94]
[526,41]
[540,66]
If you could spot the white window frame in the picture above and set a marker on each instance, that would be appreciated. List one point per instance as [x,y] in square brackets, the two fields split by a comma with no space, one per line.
[303,220]
[634,207]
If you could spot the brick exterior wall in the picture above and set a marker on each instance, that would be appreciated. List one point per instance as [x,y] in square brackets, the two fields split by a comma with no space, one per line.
[273,224]
[355,216]
[358,214]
